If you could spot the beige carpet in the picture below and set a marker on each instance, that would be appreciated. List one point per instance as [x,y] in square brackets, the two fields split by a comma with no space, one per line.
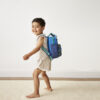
[63,90]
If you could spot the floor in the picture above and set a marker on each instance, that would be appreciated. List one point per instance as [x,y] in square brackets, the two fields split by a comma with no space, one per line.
[63,90]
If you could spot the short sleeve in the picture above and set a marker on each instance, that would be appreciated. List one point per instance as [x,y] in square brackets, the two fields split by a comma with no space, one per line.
[41,35]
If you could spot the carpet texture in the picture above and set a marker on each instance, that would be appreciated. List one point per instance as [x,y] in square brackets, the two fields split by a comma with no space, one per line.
[62,90]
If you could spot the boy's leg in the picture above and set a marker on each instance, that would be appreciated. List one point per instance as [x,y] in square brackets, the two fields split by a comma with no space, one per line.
[36,84]
[36,80]
[46,79]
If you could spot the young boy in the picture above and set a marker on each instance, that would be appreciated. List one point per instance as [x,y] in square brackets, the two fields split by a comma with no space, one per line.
[43,62]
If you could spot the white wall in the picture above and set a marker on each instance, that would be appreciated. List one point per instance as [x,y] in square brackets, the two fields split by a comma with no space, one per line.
[76,23]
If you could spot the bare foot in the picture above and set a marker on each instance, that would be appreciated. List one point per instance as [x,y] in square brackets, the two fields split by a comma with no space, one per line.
[33,95]
[49,89]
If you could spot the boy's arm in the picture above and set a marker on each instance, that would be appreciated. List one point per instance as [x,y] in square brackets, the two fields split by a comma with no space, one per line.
[38,46]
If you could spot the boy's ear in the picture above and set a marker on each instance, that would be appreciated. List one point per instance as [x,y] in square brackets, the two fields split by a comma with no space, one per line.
[43,27]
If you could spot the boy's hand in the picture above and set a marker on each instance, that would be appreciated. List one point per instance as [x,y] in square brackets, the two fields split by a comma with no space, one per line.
[26,56]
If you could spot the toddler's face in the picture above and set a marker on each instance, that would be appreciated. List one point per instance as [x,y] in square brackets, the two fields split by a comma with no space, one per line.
[36,28]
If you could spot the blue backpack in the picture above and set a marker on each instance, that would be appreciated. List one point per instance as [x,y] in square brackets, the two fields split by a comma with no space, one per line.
[54,49]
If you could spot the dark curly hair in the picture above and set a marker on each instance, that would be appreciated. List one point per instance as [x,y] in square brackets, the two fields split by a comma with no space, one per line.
[41,21]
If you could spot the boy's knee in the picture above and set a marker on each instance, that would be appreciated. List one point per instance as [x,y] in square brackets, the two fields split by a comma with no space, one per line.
[35,73]
[43,74]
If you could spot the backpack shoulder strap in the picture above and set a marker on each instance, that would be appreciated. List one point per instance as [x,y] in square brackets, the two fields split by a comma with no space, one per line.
[46,51]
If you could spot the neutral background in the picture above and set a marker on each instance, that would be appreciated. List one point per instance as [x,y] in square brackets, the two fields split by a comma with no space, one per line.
[76,23]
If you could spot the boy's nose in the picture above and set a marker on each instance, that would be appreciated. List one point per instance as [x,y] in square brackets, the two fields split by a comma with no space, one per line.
[34,30]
